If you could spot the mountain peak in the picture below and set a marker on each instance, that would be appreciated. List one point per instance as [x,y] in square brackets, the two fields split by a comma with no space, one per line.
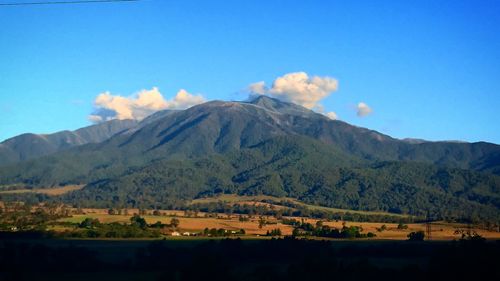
[279,106]
[268,102]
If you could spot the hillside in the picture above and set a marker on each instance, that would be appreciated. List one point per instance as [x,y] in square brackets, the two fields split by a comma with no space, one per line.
[307,171]
[266,146]
[29,146]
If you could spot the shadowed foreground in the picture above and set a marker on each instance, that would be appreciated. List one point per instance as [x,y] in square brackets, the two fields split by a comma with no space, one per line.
[281,259]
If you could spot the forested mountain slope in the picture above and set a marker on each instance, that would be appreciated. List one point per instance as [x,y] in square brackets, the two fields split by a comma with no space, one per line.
[266,146]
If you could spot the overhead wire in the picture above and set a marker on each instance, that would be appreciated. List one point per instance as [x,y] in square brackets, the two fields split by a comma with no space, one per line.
[63,2]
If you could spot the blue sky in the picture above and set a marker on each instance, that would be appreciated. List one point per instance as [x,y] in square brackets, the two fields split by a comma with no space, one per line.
[428,69]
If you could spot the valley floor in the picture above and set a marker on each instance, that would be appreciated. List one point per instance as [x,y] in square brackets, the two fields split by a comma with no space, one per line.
[193,225]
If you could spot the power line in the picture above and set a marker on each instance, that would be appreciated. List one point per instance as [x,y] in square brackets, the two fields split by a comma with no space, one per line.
[65,2]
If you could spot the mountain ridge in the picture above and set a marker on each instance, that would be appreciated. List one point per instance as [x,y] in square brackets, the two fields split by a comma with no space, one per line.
[28,146]
[232,125]
[266,146]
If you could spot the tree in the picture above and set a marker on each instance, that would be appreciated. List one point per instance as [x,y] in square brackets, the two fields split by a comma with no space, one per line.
[274,232]
[228,211]
[262,222]
[157,224]
[416,236]
[139,221]
[279,214]
[351,232]
[89,223]
[174,222]
[469,235]
[402,226]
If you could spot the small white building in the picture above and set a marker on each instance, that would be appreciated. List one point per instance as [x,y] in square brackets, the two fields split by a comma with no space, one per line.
[175,233]
[186,234]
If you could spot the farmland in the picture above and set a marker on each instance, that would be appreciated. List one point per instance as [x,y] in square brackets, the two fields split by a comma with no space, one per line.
[57,242]
[439,230]
[260,215]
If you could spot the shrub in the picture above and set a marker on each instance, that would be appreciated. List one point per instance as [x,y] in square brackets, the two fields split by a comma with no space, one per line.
[402,226]
[416,236]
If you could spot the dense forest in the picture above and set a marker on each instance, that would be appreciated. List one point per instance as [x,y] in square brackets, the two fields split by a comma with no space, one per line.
[273,148]
[308,174]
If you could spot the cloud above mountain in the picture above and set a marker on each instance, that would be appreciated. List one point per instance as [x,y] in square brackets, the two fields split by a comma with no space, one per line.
[139,105]
[363,109]
[295,87]
[332,115]
[298,87]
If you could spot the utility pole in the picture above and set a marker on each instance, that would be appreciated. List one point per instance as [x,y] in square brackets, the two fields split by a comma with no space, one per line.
[428,227]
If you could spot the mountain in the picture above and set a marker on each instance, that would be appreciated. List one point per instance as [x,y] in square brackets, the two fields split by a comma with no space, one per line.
[267,146]
[29,146]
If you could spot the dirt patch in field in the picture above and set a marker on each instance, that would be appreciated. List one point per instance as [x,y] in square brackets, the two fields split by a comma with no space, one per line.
[48,191]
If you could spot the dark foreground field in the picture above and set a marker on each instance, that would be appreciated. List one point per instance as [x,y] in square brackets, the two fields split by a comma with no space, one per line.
[29,258]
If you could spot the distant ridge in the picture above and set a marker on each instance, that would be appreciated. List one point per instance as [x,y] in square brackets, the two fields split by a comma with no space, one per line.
[29,146]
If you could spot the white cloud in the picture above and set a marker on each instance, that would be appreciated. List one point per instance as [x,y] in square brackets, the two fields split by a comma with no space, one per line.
[183,100]
[94,118]
[258,88]
[332,115]
[363,109]
[299,88]
[321,109]
[140,105]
